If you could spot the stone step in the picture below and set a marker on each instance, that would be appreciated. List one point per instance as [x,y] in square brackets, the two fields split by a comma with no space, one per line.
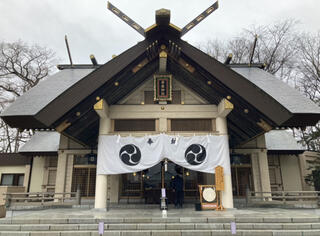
[20,220]
[160,226]
[168,233]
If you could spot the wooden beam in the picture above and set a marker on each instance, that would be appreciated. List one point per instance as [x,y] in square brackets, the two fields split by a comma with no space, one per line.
[65,124]
[54,112]
[140,65]
[248,92]
[199,18]
[163,61]
[163,17]
[186,65]
[224,108]
[164,111]
[102,108]
[264,125]
[126,19]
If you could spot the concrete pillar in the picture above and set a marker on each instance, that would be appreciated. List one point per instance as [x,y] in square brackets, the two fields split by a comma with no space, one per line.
[264,171]
[102,180]
[61,173]
[38,168]
[101,193]
[26,177]
[221,125]
[69,173]
[256,172]
[227,197]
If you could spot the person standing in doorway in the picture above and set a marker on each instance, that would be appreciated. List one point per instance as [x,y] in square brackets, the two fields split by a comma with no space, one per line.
[177,185]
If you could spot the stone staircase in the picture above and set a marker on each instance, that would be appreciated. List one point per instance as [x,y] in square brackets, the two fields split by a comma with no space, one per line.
[152,226]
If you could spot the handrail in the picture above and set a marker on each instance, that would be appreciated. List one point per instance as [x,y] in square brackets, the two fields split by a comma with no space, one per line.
[283,197]
[38,193]
[42,198]
[288,192]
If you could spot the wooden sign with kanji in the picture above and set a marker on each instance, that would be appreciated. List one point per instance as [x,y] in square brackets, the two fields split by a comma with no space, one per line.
[219,178]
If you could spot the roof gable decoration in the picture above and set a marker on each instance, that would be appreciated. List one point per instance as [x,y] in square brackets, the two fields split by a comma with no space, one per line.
[137,96]
[162,19]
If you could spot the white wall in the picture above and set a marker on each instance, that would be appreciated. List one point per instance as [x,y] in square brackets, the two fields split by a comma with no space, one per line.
[290,172]
[37,175]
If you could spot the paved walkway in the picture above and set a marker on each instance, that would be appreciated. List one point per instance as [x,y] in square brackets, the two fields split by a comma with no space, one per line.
[173,213]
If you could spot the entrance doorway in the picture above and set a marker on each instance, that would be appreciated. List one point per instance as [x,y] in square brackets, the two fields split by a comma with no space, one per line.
[241,174]
[84,176]
[147,184]
[241,180]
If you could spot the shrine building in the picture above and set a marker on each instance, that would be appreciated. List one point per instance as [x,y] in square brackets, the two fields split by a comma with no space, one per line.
[160,89]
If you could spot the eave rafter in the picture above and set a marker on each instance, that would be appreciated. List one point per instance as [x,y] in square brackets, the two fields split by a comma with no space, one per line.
[82,116]
[244,118]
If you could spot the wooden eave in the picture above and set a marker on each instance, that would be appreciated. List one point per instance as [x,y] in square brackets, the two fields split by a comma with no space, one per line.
[238,84]
[14,159]
[81,90]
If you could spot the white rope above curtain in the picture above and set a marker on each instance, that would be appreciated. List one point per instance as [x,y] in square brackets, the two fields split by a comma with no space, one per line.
[119,155]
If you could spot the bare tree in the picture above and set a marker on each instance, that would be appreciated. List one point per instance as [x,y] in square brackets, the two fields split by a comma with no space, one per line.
[21,67]
[309,66]
[215,48]
[277,47]
[309,83]
[292,56]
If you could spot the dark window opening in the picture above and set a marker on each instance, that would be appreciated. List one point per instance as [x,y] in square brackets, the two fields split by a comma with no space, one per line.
[191,125]
[135,125]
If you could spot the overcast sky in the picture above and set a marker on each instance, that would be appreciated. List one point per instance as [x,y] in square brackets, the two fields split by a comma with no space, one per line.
[92,29]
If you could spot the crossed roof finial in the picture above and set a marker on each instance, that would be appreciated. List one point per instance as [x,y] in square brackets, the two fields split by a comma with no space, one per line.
[163,18]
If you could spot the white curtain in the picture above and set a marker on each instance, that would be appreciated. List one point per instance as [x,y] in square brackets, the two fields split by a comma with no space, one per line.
[119,155]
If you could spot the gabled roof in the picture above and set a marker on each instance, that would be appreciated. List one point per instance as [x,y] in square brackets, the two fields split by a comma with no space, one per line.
[52,98]
[42,142]
[277,142]
[282,141]
[287,96]
[257,105]
[40,96]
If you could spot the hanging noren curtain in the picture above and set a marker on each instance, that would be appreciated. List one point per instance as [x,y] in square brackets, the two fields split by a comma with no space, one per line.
[119,155]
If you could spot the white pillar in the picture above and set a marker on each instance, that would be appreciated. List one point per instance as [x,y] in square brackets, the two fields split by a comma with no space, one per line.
[61,174]
[264,172]
[38,168]
[101,194]
[100,201]
[227,197]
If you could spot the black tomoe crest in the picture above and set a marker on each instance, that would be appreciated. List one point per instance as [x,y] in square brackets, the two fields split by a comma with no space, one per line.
[195,154]
[130,155]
